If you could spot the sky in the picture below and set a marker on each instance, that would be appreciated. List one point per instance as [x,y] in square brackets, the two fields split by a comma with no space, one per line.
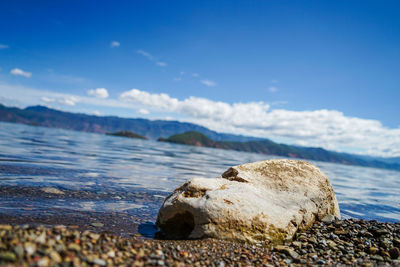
[311,73]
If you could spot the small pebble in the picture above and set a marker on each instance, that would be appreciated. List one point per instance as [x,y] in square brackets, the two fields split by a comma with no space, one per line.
[97,224]
[55,256]
[100,262]
[394,253]
[328,218]
[7,256]
[19,251]
[373,250]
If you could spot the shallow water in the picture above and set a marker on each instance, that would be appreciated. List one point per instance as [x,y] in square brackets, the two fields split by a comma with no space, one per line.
[102,175]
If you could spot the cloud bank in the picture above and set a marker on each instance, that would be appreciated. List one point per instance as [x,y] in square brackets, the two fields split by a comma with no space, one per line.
[330,129]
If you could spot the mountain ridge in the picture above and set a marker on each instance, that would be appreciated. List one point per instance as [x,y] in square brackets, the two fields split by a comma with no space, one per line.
[269,147]
[151,129]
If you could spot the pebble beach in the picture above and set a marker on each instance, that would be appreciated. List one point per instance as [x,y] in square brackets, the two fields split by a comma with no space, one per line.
[337,242]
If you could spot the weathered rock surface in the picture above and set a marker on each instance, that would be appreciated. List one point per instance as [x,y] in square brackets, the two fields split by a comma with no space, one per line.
[264,202]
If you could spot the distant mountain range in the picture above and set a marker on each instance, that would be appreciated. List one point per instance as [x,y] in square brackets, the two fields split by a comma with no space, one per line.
[152,129]
[182,133]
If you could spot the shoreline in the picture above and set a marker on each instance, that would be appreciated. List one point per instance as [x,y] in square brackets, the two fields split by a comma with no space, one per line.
[340,242]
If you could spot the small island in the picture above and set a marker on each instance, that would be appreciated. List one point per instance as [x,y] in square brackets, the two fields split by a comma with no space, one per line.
[128,134]
[192,138]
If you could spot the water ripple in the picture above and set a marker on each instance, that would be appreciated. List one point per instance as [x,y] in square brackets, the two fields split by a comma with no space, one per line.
[42,157]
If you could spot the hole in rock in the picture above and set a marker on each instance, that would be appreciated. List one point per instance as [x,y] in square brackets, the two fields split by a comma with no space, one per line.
[178,227]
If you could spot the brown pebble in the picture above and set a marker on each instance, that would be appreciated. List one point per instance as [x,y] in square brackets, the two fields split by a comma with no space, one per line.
[373,250]
[341,232]
[5,227]
[55,256]
[394,253]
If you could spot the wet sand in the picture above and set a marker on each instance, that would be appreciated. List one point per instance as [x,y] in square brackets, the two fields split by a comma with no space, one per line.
[37,206]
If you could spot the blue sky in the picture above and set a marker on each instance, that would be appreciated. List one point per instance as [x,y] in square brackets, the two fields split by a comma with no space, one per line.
[317,73]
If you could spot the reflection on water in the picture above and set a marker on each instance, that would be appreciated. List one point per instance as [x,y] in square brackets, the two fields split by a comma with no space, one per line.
[92,166]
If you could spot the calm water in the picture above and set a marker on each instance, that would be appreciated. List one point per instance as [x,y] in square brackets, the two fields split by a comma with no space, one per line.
[105,175]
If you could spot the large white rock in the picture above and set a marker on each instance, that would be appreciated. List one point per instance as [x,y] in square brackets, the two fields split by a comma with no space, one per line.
[266,201]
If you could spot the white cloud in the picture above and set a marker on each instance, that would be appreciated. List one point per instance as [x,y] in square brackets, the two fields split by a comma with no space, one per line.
[145,54]
[208,83]
[98,92]
[47,99]
[330,129]
[143,111]
[195,107]
[29,96]
[161,64]
[274,81]
[114,44]
[68,100]
[3,46]
[158,101]
[19,72]
[151,58]
[272,89]
[195,75]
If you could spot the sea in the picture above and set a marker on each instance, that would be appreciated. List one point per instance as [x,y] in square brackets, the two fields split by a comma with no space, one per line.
[95,181]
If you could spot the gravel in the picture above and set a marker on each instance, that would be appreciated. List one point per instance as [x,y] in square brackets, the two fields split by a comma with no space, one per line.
[334,242]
